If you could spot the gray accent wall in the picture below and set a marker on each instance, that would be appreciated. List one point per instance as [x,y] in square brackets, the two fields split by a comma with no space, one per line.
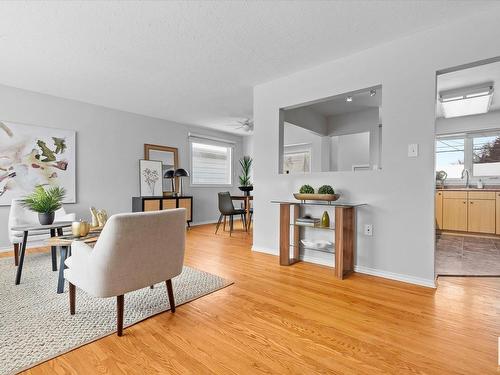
[109,146]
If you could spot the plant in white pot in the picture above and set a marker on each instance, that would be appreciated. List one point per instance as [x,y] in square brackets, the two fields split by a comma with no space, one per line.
[45,202]
[245,184]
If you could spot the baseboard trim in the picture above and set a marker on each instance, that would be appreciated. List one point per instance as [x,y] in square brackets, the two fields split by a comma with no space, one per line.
[208,222]
[265,250]
[396,276]
[32,244]
[203,223]
[360,269]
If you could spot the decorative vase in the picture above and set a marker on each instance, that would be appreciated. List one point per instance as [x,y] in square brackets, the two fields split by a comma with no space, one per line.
[246,189]
[325,220]
[46,218]
[95,220]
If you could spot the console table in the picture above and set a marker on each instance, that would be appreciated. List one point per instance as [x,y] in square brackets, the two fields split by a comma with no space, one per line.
[140,204]
[342,233]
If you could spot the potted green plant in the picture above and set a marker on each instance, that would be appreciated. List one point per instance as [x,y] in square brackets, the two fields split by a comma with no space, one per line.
[45,202]
[245,184]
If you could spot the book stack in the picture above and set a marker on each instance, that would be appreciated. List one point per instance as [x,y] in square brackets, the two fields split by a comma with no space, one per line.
[307,221]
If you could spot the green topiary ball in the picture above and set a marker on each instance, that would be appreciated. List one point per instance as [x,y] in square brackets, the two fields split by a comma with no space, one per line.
[326,189]
[306,189]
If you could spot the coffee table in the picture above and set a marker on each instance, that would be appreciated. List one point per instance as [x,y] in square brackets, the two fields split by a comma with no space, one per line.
[26,229]
[64,243]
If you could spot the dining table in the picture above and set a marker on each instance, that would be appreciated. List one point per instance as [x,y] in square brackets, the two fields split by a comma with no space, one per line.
[246,205]
[37,228]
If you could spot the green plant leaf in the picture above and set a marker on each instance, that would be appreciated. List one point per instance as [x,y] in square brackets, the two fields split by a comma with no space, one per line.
[246,165]
[43,200]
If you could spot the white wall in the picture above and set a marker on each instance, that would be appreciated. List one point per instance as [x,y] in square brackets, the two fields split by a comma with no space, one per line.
[487,121]
[354,122]
[400,197]
[307,119]
[367,120]
[352,149]
[295,135]
[109,146]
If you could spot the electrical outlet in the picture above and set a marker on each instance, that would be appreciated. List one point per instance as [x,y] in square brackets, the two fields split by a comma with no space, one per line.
[368,230]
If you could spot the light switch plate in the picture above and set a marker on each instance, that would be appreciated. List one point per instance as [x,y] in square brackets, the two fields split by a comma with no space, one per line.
[413,150]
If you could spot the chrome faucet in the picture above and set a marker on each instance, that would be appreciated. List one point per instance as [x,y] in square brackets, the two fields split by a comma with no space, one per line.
[465,174]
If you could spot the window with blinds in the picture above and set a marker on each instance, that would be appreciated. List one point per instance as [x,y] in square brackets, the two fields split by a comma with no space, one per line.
[211,164]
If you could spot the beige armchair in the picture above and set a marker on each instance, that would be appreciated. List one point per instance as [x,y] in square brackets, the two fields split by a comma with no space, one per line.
[134,251]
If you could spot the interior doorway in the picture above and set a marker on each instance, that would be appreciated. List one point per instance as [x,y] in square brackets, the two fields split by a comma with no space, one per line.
[467,166]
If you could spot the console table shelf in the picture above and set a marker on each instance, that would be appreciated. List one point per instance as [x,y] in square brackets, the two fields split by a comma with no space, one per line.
[343,234]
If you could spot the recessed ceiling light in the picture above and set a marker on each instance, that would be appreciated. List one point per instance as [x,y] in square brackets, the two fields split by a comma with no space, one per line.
[373,92]
[348,99]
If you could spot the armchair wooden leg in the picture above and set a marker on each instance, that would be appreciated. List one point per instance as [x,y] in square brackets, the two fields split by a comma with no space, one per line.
[72,299]
[16,254]
[170,292]
[120,302]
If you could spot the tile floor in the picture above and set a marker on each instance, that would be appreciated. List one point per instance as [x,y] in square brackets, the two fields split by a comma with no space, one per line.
[467,256]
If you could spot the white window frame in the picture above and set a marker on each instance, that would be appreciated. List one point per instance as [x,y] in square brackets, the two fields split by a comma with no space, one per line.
[468,153]
[212,142]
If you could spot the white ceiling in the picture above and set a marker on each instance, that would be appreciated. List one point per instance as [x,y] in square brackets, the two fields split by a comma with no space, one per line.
[488,73]
[193,62]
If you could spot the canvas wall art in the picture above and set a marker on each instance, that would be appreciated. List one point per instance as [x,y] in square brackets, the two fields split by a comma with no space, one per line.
[150,178]
[35,155]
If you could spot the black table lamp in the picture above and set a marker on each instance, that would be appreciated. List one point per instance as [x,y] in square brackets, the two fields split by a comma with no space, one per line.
[181,173]
[170,174]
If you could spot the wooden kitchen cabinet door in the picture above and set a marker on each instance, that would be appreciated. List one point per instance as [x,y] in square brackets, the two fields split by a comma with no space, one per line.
[439,210]
[481,215]
[455,214]
[498,213]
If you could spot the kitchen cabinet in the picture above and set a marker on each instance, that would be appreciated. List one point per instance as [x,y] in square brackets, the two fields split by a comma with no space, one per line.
[468,211]
[439,209]
[454,213]
[497,199]
[481,216]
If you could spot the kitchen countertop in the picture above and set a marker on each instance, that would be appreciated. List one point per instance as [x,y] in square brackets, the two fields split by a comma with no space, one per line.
[495,189]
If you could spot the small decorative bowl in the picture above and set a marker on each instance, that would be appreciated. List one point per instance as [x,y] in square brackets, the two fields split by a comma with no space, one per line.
[316,197]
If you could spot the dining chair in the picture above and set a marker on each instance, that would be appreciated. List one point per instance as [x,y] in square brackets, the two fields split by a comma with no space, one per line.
[251,217]
[134,251]
[226,208]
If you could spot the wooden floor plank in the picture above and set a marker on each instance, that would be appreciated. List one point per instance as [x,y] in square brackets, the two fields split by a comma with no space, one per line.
[301,320]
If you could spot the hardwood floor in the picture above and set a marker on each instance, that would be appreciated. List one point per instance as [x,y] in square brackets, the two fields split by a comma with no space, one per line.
[301,320]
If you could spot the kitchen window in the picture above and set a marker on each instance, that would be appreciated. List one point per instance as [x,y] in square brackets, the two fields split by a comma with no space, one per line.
[211,162]
[477,152]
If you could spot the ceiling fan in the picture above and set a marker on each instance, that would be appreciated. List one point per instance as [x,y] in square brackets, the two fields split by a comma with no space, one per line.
[246,125]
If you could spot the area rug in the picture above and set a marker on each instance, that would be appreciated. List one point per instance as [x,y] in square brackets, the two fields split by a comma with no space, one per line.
[35,324]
